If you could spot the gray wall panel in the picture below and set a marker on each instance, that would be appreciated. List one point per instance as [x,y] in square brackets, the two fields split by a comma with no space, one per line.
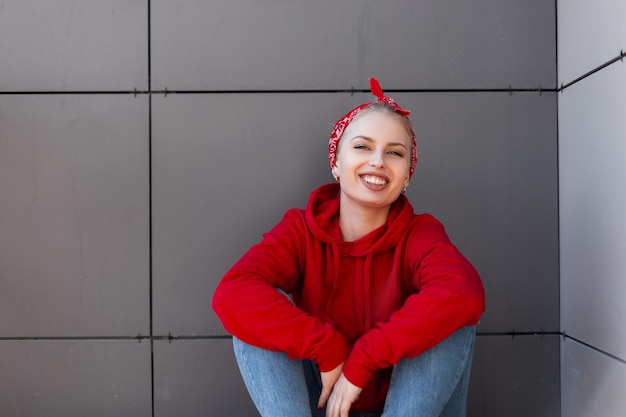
[515,377]
[74,215]
[592,152]
[193,375]
[592,383]
[72,45]
[592,203]
[60,378]
[225,170]
[198,378]
[590,34]
[335,45]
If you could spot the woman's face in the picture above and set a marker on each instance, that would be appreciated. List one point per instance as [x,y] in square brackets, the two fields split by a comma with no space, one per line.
[373,159]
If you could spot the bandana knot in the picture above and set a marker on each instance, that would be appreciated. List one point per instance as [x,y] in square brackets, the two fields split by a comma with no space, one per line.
[382,98]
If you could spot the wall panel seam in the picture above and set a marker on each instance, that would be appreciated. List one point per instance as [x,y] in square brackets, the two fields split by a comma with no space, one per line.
[166,92]
[618,58]
[594,348]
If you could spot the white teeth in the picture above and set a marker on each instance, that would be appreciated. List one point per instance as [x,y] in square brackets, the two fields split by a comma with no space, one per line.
[374,180]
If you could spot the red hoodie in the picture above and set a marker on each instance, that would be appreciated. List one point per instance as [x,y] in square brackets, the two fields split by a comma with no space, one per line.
[392,294]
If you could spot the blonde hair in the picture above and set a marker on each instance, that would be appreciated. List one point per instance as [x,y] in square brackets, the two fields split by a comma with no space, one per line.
[388,109]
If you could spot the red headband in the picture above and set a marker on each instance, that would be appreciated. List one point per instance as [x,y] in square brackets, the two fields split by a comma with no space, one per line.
[343,123]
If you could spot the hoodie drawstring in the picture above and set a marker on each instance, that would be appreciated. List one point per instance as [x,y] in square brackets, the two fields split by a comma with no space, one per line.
[335,256]
[367,300]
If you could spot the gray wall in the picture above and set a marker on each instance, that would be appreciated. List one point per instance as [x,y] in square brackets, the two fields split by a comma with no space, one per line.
[592,171]
[145,145]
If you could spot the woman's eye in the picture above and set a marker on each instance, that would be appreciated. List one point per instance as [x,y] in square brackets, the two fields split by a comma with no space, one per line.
[360,147]
[397,153]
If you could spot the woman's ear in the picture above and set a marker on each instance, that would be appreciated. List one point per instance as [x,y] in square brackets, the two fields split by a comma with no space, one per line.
[335,172]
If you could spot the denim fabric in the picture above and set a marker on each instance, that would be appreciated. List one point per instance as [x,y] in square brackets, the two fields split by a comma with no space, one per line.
[433,384]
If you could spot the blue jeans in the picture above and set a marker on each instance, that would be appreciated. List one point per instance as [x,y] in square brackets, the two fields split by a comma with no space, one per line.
[434,383]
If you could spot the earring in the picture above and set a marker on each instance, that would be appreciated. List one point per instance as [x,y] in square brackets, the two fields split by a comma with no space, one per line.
[336,178]
[404,190]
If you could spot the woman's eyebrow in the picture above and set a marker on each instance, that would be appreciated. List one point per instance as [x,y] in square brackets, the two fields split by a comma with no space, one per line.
[369,139]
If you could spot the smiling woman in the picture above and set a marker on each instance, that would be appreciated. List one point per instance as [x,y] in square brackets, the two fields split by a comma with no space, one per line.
[381,307]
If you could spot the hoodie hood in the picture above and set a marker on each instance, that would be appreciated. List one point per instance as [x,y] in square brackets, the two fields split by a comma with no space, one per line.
[322,217]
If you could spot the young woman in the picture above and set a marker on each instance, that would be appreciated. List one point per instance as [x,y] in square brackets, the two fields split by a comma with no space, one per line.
[356,305]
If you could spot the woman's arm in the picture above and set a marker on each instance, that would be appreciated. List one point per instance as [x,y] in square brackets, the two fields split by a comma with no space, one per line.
[448,295]
[250,307]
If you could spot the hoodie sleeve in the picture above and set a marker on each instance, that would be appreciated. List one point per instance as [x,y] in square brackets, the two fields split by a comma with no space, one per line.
[247,301]
[448,295]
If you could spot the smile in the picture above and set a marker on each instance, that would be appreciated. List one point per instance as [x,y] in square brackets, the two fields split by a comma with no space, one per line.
[374,180]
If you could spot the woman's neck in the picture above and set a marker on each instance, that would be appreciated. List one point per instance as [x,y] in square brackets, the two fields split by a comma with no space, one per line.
[358,221]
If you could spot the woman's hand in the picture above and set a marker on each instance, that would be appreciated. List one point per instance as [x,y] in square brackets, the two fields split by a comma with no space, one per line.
[328,382]
[344,393]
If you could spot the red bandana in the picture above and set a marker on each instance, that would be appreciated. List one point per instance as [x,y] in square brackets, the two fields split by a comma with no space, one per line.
[343,123]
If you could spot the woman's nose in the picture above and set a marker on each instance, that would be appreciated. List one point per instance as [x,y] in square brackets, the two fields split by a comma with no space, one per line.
[376,159]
